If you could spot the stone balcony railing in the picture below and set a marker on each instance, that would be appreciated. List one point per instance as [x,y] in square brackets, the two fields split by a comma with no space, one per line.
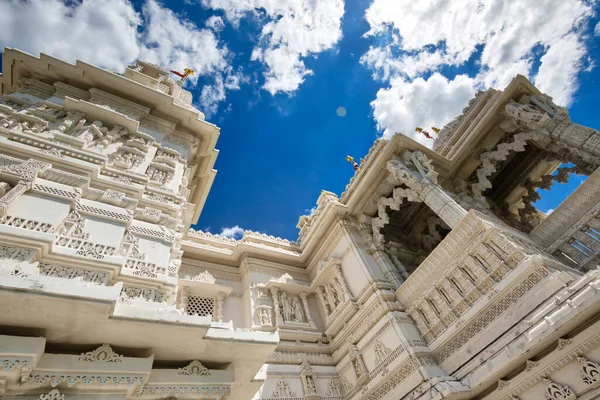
[460,271]
[483,278]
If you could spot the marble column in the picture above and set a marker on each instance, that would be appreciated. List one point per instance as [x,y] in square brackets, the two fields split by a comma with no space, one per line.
[303,297]
[274,293]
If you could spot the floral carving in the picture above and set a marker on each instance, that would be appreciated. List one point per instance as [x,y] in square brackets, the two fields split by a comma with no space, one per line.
[103,353]
[7,364]
[194,368]
[554,391]
[54,394]
[204,277]
[590,371]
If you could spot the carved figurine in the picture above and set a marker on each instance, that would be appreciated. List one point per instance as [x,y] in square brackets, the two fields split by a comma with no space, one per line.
[332,296]
[265,317]
[94,131]
[288,312]
[298,312]
[310,385]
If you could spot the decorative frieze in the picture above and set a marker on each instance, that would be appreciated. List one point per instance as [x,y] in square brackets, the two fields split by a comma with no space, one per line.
[15,253]
[61,271]
[129,293]
[194,391]
[54,379]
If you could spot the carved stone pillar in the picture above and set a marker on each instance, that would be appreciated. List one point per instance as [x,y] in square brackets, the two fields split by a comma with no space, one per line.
[303,297]
[323,298]
[399,265]
[337,268]
[12,195]
[278,318]
[386,266]
[442,204]
[219,307]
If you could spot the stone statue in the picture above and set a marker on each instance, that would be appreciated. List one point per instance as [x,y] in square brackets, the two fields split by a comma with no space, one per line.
[310,385]
[96,130]
[265,317]
[332,296]
[298,312]
[288,312]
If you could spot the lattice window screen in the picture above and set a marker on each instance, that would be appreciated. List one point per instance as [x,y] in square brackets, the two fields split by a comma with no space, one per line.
[202,306]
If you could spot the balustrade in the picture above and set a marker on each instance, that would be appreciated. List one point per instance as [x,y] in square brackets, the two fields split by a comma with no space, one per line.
[463,269]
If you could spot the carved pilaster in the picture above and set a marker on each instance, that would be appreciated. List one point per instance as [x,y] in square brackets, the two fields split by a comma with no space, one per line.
[383,261]
[303,297]
[358,364]
[399,265]
[219,307]
[388,268]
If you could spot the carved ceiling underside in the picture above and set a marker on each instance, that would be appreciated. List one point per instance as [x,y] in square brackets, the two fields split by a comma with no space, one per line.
[510,181]
[415,226]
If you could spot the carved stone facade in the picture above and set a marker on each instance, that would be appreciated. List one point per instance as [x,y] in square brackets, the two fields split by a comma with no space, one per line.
[432,276]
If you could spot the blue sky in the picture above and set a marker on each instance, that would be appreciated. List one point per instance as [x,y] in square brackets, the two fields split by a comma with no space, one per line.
[271,74]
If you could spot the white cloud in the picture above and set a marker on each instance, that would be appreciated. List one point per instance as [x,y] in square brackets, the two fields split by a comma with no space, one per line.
[597,29]
[215,23]
[232,232]
[418,37]
[549,211]
[170,41]
[292,30]
[309,212]
[560,65]
[405,105]
[105,33]
[101,32]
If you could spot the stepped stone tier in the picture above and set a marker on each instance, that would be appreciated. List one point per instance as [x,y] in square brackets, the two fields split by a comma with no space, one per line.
[431,277]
